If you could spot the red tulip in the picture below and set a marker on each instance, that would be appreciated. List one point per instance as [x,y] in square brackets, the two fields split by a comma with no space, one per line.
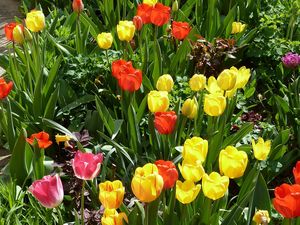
[287,200]
[119,66]
[164,122]
[42,139]
[77,6]
[8,29]
[48,191]
[296,172]
[138,22]
[5,88]
[160,14]
[168,172]
[144,11]
[86,166]
[180,30]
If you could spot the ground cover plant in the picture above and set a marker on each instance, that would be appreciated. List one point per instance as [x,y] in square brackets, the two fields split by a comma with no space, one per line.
[151,112]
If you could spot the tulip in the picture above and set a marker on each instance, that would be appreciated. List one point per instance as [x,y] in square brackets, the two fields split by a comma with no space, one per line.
[105,40]
[150,2]
[111,194]
[197,82]
[261,149]
[119,66]
[243,75]
[232,162]
[158,101]
[291,60]
[195,149]
[138,22]
[165,83]
[180,30]
[48,191]
[146,183]
[160,14]
[42,139]
[35,20]
[77,6]
[213,87]
[125,30]
[214,185]
[86,166]
[192,171]
[62,138]
[296,173]
[18,34]
[8,30]
[261,217]
[112,217]
[287,200]
[168,171]
[190,108]
[144,11]
[5,88]
[237,27]
[214,105]
[187,191]
[165,122]
[227,79]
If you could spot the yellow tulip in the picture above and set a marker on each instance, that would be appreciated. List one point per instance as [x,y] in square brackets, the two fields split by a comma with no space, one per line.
[158,101]
[232,162]
[187,191]
[190,108]
[261,149]
[214,105]
[105,40]
[35,20]
[230,93]
[227,79]
[111,194]
[112,217]
[213,87]
[237,27]
[146,183]
[165,83]
[261,217]
[125,30]
[18,34]
[214,186]
[197,82]
[62,138]
[150,2]
[195,149]
[243,76]
[192,171]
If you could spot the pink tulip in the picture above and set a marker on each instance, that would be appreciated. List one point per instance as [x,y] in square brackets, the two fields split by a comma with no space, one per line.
[48,191]
[86,166]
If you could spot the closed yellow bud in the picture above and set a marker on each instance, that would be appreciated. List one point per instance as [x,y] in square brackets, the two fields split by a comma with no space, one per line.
[150,2]
[165,83]
[261,149]
[232,162]
[195,149]
[146,183]
[192,171]
[125,30]
[27,34]
[227,79]
[237,27]
[214,105]
[243,75]
[18,34]
[105,40]
[111,194]
[214,186]
[62,138]
[158,101]
[261,217]
[190,108]
[35,20]
[213,87]
[197,82]
[112,217]
[187,191]
[175,6]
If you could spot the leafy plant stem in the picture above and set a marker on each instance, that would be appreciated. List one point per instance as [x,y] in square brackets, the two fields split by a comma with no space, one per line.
[82,203]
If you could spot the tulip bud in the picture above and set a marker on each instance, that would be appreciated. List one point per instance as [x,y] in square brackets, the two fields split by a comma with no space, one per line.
[77,6]
[214,105]
[111,194]
[125,30]
[214,185]
[261,149]
[165,122]
[35,20]
[158,101]
[195,149]
[168,171]
[138,22]
[165,83]
[112,217]
[261,217]
[227,79]
[243,75]
[213,87]
[191,170]
[187,191]
[175,6]
[5,88]
[296,173]
[27,34]
[197,82]
[190,108]
[105,40]
[237,27]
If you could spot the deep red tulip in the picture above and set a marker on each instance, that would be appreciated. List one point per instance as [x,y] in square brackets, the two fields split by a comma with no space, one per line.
[160,14]
[48,191]
[144,11]
[138,22]
[164,122]
[77,6]
[5,88]
[180,30]
[168,171]
[287,200]
[86,166]
[8,30]
[42,139]
[296,172]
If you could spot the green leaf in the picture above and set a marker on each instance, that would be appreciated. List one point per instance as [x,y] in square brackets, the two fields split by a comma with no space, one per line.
[51,105]
[105,115]
[235,138]
[49,84]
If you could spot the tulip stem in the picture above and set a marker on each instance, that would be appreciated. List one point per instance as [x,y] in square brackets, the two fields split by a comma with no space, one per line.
[107,59]
[60,219]
[82,203]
